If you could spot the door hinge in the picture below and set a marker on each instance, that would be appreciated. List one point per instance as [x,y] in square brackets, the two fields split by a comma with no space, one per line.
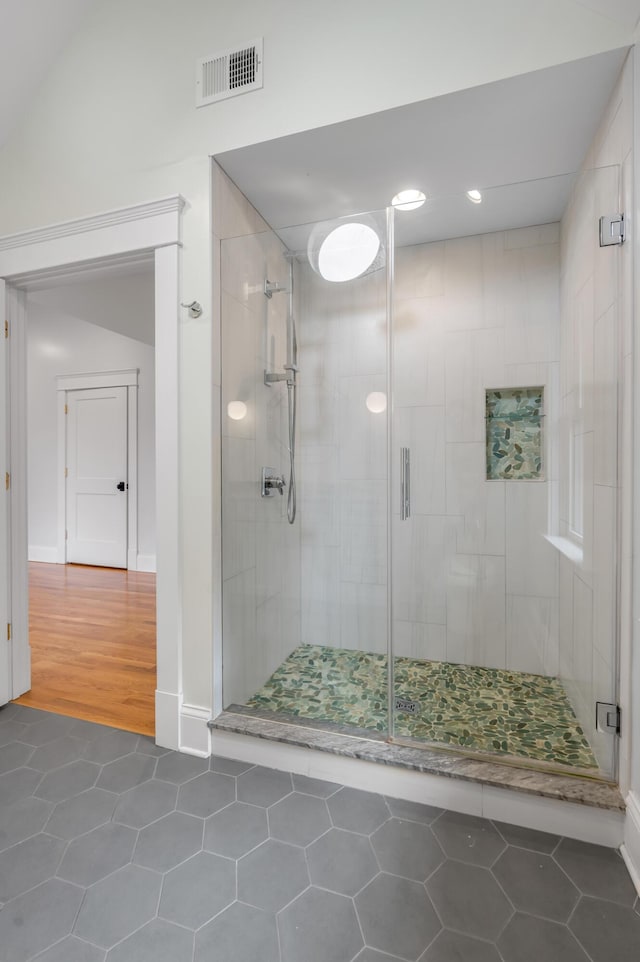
[612,230]
[6,328]
[66,536]
[66,409]
[7,480]
[8,631]
[66,472]
[608,717]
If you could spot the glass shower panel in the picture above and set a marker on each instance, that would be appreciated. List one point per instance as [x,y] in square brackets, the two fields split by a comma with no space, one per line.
[305,603]
[260,550]
[505,364]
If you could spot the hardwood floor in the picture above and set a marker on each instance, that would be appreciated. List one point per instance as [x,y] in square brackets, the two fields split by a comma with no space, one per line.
[93,644]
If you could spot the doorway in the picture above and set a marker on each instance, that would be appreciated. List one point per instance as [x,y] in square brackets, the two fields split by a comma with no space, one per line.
[152,229]
[90,368]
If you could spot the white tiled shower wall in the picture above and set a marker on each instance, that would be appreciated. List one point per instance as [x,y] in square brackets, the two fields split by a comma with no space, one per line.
[342,461]
[596,312]
[474,579]
[260,550]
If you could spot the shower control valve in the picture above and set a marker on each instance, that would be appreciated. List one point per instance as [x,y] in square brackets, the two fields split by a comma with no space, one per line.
[271,483]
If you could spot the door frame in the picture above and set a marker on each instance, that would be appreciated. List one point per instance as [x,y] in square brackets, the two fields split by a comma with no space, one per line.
[156,228]
[66,385]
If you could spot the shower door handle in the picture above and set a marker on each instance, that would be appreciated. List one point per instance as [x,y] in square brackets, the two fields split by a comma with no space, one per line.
[405,483]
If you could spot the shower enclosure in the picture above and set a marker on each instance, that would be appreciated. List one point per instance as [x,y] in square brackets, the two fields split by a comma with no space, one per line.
[420,464]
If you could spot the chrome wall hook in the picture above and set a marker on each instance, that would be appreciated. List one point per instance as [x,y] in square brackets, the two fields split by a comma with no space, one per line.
[194,308]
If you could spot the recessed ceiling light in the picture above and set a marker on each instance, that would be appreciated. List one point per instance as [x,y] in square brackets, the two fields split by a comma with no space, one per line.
[474,196]
[408,200]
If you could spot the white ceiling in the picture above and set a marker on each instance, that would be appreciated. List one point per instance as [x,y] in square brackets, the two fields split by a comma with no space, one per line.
[518,140]
[33,34]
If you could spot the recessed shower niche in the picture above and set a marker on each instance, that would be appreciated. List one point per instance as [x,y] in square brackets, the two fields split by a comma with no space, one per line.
[514,419]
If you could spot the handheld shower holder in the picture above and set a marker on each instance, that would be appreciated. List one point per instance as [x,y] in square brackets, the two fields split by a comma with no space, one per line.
[288,375]
[273,287]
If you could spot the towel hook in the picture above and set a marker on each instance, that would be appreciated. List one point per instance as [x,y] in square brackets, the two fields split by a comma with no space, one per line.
[194,308]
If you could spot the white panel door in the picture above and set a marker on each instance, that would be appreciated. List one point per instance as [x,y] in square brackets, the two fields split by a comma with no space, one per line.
[5,571]
[97,477]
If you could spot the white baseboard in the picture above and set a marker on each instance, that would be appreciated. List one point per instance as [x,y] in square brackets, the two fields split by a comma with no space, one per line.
[195,737]
[135,562]
[182,727]
[631,846]
[168,719]
[38,552]
[531,811]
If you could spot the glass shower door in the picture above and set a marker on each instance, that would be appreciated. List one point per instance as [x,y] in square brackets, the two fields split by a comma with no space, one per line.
[506,414]
[260,549]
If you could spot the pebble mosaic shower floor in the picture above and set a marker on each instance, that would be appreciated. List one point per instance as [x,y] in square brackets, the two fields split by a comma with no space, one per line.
[477,709]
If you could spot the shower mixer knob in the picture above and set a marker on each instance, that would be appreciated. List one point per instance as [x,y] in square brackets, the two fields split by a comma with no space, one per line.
[271,482]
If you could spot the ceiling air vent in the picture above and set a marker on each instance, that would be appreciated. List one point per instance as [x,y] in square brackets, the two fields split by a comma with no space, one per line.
[229,73]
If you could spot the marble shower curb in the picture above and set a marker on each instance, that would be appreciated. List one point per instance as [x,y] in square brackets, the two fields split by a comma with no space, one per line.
[568,788]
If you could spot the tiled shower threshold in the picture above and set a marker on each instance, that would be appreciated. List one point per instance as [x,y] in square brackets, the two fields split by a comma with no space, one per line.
[579,789]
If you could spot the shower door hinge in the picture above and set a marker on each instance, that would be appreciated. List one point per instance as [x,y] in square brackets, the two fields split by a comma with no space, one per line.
[8,631]
[7,480]
[608,717]
[612,230]
[6,328]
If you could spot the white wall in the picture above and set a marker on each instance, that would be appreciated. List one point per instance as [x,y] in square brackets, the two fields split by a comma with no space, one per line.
[115,124]
[59,342]
[474,580]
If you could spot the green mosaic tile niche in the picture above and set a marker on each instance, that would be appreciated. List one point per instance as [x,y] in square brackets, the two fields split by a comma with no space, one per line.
[487,710]
[514,418]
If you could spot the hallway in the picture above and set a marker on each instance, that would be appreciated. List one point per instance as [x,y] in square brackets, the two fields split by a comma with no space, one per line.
[93,644]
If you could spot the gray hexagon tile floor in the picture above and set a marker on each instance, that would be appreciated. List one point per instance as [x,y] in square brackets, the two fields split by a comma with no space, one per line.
[112,850]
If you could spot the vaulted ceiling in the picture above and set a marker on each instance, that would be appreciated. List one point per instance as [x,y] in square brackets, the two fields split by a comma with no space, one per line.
[33,34]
